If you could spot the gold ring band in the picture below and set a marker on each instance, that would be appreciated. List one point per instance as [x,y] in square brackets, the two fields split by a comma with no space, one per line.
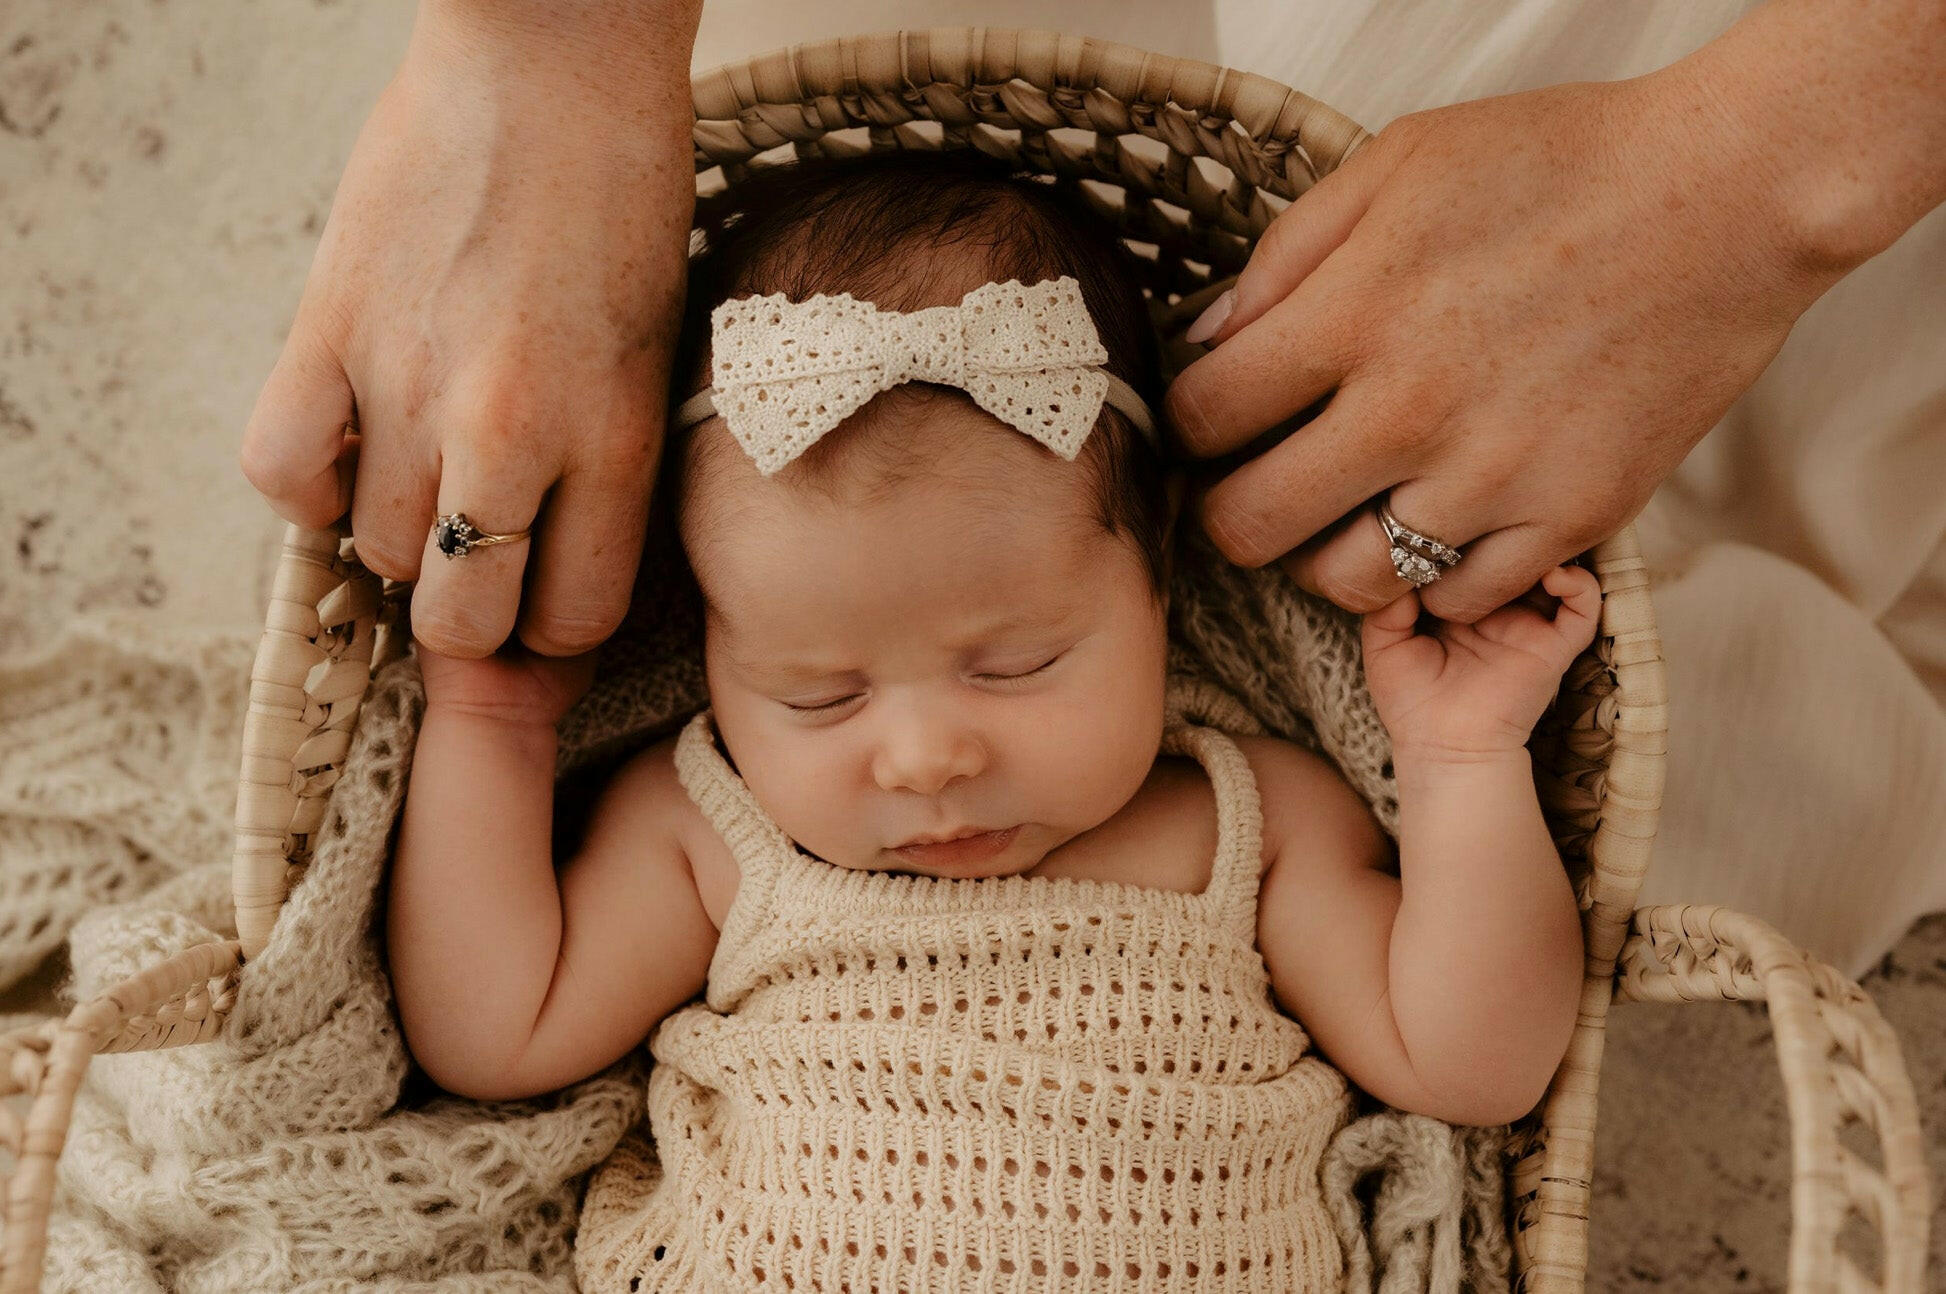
[455,536]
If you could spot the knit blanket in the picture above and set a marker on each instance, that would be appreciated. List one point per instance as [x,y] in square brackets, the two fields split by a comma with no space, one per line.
[302,1151]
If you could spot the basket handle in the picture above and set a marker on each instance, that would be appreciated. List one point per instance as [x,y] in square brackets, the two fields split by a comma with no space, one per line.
[1841,1063]
[183,1000]
[320,647]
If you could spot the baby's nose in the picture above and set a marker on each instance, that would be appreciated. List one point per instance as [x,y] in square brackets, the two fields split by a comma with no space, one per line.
[925,758]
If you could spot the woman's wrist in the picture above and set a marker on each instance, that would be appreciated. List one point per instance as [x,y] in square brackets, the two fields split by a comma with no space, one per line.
[659,30]
[621,54]
[1834,116]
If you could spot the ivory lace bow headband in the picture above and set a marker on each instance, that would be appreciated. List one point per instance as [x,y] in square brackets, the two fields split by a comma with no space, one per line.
[787,372]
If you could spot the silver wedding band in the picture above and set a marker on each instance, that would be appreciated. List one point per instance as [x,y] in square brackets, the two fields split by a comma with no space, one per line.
[1417,558]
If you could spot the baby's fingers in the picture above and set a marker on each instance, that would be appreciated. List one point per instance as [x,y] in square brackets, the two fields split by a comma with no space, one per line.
[1580,595]
[1392,623]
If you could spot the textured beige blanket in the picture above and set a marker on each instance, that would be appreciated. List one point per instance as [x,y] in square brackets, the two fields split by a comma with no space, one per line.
[298,1153]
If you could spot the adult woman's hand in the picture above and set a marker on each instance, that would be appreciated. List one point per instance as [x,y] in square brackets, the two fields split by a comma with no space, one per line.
[1525,311]
[495,300]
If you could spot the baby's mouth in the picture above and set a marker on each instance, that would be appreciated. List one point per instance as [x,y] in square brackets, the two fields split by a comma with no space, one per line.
[975,848]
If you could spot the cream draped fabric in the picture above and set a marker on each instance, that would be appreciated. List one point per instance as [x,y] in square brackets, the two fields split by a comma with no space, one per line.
[1799,552]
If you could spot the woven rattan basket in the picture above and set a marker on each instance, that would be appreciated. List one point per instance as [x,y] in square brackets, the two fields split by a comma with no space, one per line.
[1192,161]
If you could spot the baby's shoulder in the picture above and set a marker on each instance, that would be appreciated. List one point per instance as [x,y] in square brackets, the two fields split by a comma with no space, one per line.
[1307,803]
[674,812]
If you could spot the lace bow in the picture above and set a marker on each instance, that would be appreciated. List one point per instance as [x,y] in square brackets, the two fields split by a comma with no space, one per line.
[787,372]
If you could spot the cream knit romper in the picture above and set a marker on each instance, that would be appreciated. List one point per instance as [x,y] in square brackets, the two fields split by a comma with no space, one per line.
[1028,1083]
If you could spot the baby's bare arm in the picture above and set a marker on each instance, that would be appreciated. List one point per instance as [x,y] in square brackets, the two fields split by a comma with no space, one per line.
[1486,950]
[473,923]
[509,983]
[1449,990]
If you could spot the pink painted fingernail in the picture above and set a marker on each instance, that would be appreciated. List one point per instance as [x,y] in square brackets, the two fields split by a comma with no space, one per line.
[1211,319]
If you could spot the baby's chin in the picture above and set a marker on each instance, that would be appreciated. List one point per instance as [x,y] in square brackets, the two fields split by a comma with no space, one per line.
[1018,858]
[986,869]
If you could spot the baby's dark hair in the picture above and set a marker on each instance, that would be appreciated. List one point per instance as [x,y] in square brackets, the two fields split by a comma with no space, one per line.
[871,225]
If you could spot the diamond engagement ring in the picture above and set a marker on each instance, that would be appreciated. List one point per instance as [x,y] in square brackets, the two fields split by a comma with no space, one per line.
[456,536]
[1416,558]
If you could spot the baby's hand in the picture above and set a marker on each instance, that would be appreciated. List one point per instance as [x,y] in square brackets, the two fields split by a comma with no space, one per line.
[1468,691]
[515,683]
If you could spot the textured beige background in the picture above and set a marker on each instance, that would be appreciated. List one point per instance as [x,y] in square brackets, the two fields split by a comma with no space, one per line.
[164,172]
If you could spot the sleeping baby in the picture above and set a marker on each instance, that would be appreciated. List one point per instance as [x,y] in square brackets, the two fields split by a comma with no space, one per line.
[971,952]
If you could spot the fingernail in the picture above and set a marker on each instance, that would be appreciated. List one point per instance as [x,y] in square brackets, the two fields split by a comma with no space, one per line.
[1211,319]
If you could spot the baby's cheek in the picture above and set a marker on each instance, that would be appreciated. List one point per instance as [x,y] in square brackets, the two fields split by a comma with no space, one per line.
[775,763]
[1102,752]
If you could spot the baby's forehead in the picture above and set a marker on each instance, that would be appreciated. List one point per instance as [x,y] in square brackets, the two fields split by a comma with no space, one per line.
[942,546]
[784,632]
[915,441]
[981,538]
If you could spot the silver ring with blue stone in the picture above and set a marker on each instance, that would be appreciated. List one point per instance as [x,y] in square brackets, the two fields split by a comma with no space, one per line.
[456,536]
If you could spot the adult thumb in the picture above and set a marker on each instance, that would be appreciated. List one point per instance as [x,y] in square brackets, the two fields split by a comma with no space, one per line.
[297,450]
[1297,241]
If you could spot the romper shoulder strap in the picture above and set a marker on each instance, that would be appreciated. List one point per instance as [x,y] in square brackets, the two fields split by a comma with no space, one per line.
[1191,698]
[1237,868]
[758,844]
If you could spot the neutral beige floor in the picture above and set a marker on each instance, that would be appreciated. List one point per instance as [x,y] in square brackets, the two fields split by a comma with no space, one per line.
[164,173]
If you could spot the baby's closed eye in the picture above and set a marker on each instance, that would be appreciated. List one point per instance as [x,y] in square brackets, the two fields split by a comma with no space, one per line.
[824,706]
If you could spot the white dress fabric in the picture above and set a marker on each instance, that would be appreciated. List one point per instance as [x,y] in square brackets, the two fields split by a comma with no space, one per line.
[1798,554]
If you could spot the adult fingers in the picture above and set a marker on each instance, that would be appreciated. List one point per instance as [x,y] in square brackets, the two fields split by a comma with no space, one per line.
[294,448]
[590,544]
[1352,565]
[1278,346]
[1499,568]
[1496,570]
[1260,378]
[1298,240]
[395,494]
[1367,439]
[465,605]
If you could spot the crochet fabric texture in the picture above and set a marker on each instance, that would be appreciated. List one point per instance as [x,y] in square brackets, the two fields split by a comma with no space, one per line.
[787,372]
[1010,1083]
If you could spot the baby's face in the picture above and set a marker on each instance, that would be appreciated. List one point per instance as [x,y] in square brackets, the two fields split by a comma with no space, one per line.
[973,651]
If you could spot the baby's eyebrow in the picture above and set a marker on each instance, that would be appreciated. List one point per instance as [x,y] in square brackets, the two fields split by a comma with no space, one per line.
[785,671]
[789,672]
